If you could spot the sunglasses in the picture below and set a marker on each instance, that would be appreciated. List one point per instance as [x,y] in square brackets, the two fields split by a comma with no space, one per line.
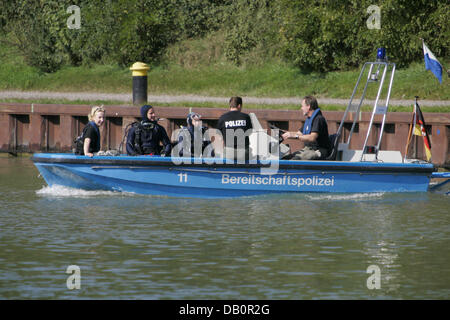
[97,109]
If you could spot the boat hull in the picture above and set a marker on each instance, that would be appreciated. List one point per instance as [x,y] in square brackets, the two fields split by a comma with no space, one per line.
[186,177]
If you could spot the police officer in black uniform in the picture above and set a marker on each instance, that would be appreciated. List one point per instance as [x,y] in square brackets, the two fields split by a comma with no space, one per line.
[232,121]
[144,137]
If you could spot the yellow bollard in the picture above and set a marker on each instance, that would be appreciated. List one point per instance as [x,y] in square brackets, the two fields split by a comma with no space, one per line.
[139,73]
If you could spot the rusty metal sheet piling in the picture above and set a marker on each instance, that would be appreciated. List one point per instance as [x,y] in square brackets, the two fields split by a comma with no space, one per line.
[53,127]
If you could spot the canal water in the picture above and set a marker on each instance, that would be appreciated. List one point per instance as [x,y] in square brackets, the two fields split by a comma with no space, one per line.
[127,246]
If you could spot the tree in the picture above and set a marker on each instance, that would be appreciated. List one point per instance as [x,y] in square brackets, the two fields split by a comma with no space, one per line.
[332,35]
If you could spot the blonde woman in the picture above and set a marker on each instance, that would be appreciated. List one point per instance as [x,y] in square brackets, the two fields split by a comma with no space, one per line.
[91,134]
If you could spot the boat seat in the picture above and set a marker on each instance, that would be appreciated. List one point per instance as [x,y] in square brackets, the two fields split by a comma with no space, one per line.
[262,144]
[334,141]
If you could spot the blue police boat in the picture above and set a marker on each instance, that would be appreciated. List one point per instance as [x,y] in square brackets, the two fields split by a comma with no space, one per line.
[345,171]
[208,178]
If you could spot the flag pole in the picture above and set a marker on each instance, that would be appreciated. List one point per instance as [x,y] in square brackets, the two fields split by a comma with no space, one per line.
[411,128]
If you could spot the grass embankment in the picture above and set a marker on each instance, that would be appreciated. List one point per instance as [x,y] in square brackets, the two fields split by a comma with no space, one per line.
[189,69]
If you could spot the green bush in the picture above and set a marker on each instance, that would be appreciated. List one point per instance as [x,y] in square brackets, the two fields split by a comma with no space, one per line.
[251,25]
[38,36]
[333,35]
[197,18]
[145,31]
[111,31]
[315,35]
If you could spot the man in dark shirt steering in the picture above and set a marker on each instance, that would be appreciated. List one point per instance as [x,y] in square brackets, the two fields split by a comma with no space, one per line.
[314,133]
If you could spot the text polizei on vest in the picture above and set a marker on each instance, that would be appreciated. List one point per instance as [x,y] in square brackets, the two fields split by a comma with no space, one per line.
[235,123]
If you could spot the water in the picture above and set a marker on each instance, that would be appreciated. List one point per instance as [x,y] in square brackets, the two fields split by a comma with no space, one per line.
[127,246]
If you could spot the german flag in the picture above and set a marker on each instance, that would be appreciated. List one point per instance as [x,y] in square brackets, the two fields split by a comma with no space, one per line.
[419,130]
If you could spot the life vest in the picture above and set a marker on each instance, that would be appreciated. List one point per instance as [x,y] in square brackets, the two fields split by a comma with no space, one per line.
[308,122]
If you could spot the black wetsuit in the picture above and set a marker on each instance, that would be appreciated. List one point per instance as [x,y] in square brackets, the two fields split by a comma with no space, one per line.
[144,138]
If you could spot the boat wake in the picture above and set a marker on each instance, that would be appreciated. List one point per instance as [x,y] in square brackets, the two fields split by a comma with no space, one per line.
[353,196]
[61,191]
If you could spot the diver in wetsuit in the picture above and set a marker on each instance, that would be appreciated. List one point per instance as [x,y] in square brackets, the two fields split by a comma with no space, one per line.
[144,137]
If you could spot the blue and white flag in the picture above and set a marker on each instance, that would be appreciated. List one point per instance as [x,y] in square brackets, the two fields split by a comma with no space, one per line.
[431,63]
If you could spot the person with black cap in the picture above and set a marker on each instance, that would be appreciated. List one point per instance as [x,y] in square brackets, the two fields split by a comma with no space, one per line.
[192,139]
[145,137]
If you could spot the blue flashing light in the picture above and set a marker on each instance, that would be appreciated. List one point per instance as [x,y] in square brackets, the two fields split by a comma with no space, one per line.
[381,54]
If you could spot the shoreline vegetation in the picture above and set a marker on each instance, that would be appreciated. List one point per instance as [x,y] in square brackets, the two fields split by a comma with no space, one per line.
[267,79]
[220,49]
